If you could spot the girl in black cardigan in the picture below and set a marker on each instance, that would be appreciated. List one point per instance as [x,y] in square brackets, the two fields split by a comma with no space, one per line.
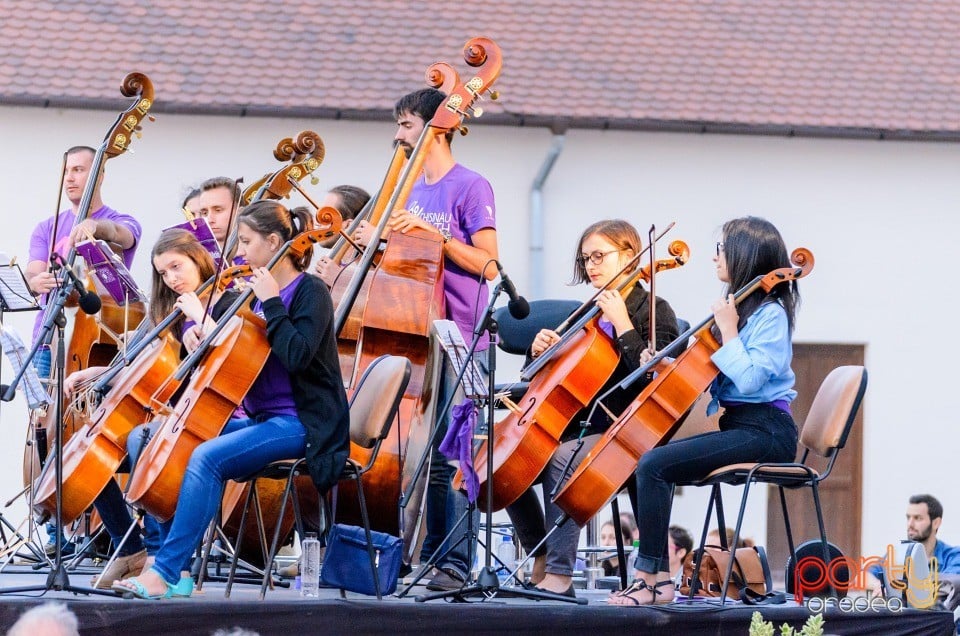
[296,407]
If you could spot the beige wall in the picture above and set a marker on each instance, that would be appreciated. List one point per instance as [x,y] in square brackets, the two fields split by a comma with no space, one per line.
[878,216]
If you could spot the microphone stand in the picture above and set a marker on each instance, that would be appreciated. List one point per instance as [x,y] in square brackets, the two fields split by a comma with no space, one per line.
[487,584]
[57,579]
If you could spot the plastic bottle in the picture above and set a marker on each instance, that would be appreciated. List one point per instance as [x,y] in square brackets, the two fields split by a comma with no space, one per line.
[310,565]
[507,553]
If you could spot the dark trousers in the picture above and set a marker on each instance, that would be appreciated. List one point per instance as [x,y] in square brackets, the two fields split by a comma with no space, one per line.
[748,433]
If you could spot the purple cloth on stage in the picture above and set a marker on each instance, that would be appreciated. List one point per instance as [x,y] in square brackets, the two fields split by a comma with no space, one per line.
[461,203]
[271,391]
[458,444]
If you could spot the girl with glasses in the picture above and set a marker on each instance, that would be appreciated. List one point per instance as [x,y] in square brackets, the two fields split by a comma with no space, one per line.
[604,249]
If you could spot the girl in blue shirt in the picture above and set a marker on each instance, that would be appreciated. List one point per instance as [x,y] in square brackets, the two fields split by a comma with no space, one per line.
[755,387]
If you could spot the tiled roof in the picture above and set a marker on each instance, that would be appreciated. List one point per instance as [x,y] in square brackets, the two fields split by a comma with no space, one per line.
[831,67]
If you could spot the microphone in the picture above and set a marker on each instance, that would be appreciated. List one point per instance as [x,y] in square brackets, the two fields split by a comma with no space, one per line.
[89,301]
[518,306]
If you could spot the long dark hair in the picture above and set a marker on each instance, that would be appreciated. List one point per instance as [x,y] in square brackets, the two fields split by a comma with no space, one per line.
[269,217]
[616,231]
[162,298]
[753,247]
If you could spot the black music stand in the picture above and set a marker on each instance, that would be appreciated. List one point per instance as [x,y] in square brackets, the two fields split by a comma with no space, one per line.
[57,579]
[15,295]
[487,584]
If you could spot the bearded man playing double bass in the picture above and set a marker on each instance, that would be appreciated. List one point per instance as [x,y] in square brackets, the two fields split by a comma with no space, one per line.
[458,204]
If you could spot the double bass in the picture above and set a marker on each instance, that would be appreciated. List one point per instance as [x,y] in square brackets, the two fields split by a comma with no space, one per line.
[445,78]
[564,380]
[656,414]
[92,341]
[405,296]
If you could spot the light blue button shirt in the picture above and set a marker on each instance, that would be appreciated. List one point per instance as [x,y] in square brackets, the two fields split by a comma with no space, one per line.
[755,366]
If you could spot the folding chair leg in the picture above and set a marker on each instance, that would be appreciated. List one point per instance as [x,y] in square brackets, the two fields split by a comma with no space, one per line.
[366,529]
[268,568]
[823,531]
[251,494]
[786,523]
[695,583]
[621,557]
[207,548]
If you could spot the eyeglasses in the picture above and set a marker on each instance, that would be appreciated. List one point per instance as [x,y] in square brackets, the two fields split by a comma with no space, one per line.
[596,257]
[719,247]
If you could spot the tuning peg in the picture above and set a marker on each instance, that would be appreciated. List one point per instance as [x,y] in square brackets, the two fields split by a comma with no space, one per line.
[314,180]
[463,131]
[494,95]
[477,111]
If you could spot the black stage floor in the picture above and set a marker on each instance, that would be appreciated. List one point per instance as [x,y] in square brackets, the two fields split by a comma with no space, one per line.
[285,612]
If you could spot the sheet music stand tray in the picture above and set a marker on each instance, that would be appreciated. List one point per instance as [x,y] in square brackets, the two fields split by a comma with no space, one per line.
[15,294]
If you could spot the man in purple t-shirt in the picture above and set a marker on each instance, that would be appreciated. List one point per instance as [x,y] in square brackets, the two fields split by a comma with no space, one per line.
[458,204]
[102,222]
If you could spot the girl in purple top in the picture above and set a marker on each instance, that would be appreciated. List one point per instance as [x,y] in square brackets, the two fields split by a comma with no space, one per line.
[297,406]
[180,265]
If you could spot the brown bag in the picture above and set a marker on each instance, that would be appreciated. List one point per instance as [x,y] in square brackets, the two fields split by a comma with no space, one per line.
[750,570]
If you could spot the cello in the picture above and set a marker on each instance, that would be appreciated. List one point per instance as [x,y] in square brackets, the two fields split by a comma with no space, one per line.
[406,295]
[656,414]
[224,367]
[568,376]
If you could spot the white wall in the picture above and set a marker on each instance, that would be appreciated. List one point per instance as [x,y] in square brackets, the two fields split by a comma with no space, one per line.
[878,217]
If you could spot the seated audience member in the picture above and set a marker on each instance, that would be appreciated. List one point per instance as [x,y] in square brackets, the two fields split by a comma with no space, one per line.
[611,565]
[713,538]
[924,516]
[681,544]
[627,520]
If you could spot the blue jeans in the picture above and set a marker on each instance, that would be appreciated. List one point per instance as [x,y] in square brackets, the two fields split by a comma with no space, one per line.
[748,433]
[244,447]
[445,505]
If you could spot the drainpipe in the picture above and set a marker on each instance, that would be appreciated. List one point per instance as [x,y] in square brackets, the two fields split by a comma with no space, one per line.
[536,216]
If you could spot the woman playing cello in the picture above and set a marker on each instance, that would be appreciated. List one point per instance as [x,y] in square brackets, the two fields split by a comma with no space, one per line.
[755,387]
[296,406]
[603,251]
[180,265]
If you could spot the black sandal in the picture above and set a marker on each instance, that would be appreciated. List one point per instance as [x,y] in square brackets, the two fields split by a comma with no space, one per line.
[640,585]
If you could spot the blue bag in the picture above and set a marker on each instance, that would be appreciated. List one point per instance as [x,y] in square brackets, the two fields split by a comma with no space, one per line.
[346,563]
